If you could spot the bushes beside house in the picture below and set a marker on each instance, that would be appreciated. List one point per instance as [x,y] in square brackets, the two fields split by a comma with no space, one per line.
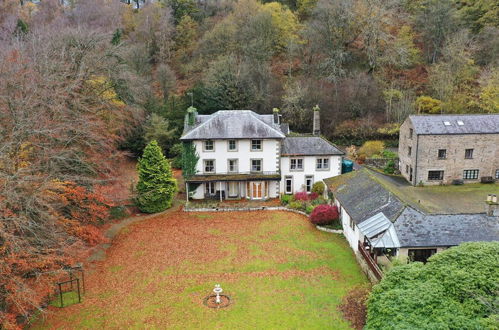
[302,201]
[324,214]
[318,188]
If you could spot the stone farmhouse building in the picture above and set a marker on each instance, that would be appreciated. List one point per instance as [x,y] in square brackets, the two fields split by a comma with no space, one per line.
[379,223]
[245,155]
[442,149]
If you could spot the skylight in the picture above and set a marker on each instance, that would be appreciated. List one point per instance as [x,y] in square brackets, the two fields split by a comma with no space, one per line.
[460,123]
[446,123]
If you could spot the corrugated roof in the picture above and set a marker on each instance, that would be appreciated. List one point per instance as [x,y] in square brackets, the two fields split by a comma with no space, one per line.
[380,231]
[233,124]
[416,229]
[455,124]
[308,145]
[375,225]
[388,240]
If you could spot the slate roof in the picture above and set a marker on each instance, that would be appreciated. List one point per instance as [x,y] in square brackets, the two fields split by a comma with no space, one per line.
[471,124]
[233,124]
[308,146]
[416,229]
[363,196]
[368,202]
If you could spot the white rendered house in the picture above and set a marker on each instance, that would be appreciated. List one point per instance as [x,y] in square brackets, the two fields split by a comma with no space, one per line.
[243,154]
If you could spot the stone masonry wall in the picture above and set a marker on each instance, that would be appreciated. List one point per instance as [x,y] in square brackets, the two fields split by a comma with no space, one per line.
[485,156]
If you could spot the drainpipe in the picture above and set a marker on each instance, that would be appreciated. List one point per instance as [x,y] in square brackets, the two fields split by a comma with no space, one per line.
[416,167]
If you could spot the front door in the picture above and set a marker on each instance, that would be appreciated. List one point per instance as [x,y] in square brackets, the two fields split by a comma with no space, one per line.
[257,190]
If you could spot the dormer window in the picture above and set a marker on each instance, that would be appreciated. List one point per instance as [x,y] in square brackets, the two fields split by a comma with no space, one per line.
[208,145]
[256,145]
[447,123]
[460,123]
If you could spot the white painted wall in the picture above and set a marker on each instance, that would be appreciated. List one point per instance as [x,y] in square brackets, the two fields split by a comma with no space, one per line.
[309,168]
[221,155]
[353,236]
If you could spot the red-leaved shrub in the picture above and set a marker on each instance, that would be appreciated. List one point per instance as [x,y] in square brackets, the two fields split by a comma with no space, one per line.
[324,214]
[313,195]
[304,196]
[301,196]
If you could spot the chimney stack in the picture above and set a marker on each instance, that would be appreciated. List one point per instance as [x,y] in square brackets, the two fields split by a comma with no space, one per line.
[316,121]
[275,111]
[492,204]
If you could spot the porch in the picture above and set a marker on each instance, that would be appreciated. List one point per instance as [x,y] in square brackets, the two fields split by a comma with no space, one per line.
[222,187]
[240,204]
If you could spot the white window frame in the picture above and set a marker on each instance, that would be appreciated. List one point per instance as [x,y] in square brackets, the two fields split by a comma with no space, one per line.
[236,165]
[209,188]
[204,166]
[319,164]
[471,174]
[290,178]
[260,143]
[311,178]
[251,165]
[212,144]
[232,184]
[296,161]
[235,144]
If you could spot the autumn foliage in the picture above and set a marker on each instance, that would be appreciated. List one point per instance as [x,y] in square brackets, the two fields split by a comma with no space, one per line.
[58,137]
[304,196]
[324,214]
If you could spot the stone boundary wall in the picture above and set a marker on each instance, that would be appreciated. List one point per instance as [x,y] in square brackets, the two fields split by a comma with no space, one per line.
[327,230]
[243,209]
[381,162]
[365,268]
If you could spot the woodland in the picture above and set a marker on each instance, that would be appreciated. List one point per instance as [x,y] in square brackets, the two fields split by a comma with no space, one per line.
[85,83]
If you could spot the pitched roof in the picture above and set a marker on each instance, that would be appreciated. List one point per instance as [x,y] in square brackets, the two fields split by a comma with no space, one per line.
[233,124]
[416,229]
[308,145]
[380,231]
[370,204]
[363,196]
[455,124]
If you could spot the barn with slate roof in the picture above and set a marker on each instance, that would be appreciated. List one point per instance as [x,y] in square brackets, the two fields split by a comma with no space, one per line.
[377,222]
[445,149]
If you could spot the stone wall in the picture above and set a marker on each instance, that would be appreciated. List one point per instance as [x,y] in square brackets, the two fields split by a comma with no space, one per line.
[485,156]
[381,162]
[425,148]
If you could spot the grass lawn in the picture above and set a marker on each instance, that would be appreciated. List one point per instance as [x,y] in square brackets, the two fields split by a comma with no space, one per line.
[279,270]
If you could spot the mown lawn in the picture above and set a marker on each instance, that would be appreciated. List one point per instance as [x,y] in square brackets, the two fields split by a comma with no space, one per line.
[279,270]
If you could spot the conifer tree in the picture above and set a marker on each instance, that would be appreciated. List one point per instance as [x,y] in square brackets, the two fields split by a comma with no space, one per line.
[156,187]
